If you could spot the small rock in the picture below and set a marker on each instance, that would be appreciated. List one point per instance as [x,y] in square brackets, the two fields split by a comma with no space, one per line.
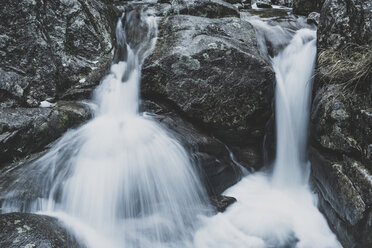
[264,5]
[222,202]
[313,18]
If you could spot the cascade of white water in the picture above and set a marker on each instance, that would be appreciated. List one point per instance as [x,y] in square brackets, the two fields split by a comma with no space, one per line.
[294,69]
[120,180]
[278,210]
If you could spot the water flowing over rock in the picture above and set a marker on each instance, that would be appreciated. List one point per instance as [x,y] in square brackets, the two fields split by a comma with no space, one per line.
[49,50]
[216,168]
[152,172]
[271,209]
[108,180]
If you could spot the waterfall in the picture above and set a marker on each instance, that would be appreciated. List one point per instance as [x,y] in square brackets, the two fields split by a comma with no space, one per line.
[293,69]
[119,180]
[278,209]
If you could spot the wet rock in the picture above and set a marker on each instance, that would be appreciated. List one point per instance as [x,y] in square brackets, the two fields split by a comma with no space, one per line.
[341,121]
[341,165]
[212,71]
[33,231]
[212,158]
[343,22]
[305,7]
[236,1]
[263,4]
[27,130]
[207,8]
[345,188]
[222,202]
[51,47]
[313,18]
[287,3]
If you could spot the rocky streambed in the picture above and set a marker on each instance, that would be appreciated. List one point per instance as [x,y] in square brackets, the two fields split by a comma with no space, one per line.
[208,81]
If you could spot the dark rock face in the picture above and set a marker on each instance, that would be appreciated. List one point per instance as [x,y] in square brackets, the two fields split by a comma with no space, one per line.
[27,130]
[341,162]
[305,7]
[345,189]
[49,47]
[211,70]
[49,50]
[287,3]
[345,21]
[236,1]
[341,123]
[263,4]
[31,230]
[208,8]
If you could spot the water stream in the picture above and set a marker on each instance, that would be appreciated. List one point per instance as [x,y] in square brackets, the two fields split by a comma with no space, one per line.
[277,208]
[120,180]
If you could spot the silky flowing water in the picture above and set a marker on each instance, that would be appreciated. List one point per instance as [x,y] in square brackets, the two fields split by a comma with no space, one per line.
[121,180]
[278,209]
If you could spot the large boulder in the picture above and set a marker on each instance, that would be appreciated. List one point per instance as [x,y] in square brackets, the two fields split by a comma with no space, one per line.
[345,22]
[287,3]
[24,131]
[341,121]
[211,70]
[50,47]
[341,160]
[34,231]
[305,7]
[345,189]
[208,8]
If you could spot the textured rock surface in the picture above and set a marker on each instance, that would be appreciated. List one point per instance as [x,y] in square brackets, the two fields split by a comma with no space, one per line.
[211,70]
[49,47]
[305,7]
[341,162]
[341,123]
[345,189]
[33,231]
[209,9]
[27,130]
[345,21]
[287,3]
[264,4]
